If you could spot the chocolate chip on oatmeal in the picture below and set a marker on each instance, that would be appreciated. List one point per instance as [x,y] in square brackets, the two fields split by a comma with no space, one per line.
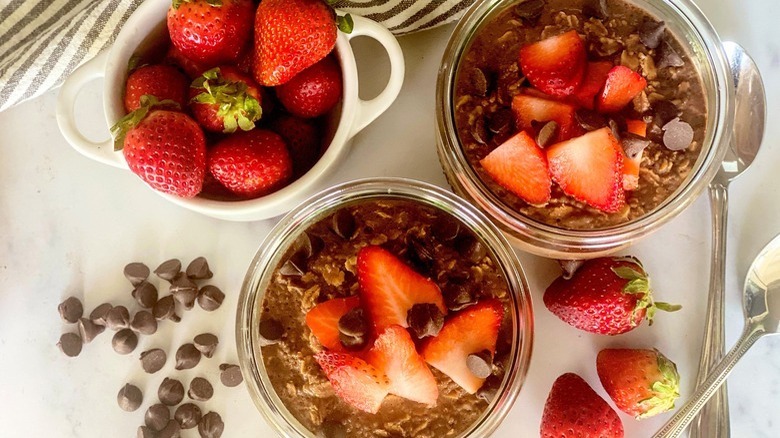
[353,343]
[589,120]
[478,81]
[471,248]
[479,132]
[171,392]
[211,425]
[332,429]
[171,430]
[145,294]
[188,415]
[169,269]
[136,273]
[343,224]
[88,330]
[547,134]
[153,360]
[206,343]
[353,323]
[145,432]
[596,9]
[489,388]
[187,357]
[290,269]
[529,10]
[200,389]
[230,375]
[184,290]
[664,111]
[425,319]
[569,267]
[445,228]
[198,269]
[166,309]
[118,318]
[480,364]
[71,310]
[270,331]
[633,144]
[458,297]
[419,254]
[501,121]
[129,397]
[144,323]
[678,135]
[124,341]
[650,33]
[70,344]
[157,416]
[617,125]
[100,313]
[668,56]
[210,298]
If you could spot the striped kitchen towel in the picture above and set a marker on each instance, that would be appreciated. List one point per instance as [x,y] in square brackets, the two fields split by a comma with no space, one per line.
[43,41]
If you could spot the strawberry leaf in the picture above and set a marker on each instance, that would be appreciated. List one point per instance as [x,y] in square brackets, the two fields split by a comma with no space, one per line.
[235,106]
[129,121]
[345,23]
[665,391]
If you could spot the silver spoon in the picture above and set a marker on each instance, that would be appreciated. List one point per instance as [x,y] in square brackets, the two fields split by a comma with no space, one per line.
[749,117]
[761,305]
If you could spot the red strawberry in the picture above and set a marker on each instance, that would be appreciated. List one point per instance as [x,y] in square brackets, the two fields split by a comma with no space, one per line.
[609,296]
[161,81]
[191,68]
[590,169]
[210,31]
[223,100]
[291,36]
[389,288]
[323,321]
[303,140]
[251,163]
[394,354]
[555,65]
[631,165]
[574,410]
[314,91]
[167,149]
[520,166]
[622,85]
[528,108]
[594,79]
[470,331]
[642,383]
[357,383]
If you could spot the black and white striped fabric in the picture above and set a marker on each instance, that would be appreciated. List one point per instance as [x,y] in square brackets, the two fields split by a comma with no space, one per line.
[43,41]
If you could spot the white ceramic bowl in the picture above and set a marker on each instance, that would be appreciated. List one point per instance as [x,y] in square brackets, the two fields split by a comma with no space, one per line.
[150,19]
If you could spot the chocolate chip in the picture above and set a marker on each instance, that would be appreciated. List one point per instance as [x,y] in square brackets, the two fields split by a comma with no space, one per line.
[184,290]
[169,269]
[70,344]
[145,432]
[188,415]
[420,255]
[479,132]
[445,228]
[88,330]
[171,430]
[187,357]
[664,111]
[198,269]
[547,134]
[678,135]
[478,81]
[633,144]
[124,341]
[211,425]
[118,318]
[425,319]
[230,375]
[166,309]
[617,125]
[129,397]
[353,343]
[200,389]
[332,429]
[144,323]
[153,360]
[270,331]
[650,33]
[529,10]
[458,297]
[501,121]
[489,388]
[99,315]
[71,309]
[290,269]
[206,343]
[157,416]
[353,323]
[136,273]
[569,267]
[210,298]
[145,294]
[596,9]
[480,364]
[343,224]
[171,392]
[668,56]
[589,120]
[471,248]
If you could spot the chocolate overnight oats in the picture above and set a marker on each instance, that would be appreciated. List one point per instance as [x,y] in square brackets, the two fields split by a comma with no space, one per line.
[386,318]
[579,114]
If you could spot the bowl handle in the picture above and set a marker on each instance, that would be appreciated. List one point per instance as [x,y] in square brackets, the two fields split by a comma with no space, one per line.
[66,116]
[369,110]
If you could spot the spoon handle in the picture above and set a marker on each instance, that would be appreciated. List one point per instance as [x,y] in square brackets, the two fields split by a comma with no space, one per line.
[677,424]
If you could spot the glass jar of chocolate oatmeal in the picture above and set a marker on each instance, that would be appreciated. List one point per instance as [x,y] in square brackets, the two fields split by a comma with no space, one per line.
[689,91]
[309,259]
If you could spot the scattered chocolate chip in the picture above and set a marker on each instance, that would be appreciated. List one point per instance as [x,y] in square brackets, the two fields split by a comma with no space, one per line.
[420,255]
[471,248]
[668,56]
[479,132]
[71,310]
[171,392]
[650,33]
[489,388]
[501,121]
[664,111]
[332,429]
[136,273]
[458,297]
[270,331]
[145,432]
[479,82]
[206,343]
[480,364]
[153,360]
[200,389]
[187,357]
[88,330]
[166,309]
[211,425]
[596,9]
[124,341]
[198,269]
[169,269]
[633,144]
[425,319]
[570,267]
[290,269]
[230,375]
[678,135]
[157,417]
[589,120]
[353,343]
[210,298]
[188,415]
[145,294]
[353,323]
[547,134]
[343,224]
[184,290]
[70,344]
[529,10]
[171,430]
[118,318]
[617,125]
[445,228]
[99,315]
[129,397]
[144,323]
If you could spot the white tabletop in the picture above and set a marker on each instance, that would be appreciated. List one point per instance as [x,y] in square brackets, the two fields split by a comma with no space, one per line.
[69,225]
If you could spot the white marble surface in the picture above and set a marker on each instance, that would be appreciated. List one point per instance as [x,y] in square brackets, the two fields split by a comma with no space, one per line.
[68,226]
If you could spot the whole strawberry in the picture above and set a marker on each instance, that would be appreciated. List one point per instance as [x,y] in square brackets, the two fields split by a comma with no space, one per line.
[642,383]
[251,163]
[210,31]
[574,410]
[161,81]
[223,100]
[314,91]
[303,141]
[609,295]
[176,58]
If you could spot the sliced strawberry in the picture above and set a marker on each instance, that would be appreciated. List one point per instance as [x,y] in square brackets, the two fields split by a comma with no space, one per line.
[622,85]
[471,331]
[323,321]
[594,79]
[555,65]
[637,127]
[631,165]
[357,383]
[520,166]
[528,108]
[590,168]
[389,288]
[394,354]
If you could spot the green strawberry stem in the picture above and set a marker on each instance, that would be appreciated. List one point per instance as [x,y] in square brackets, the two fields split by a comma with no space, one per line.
[639,284]
[237,108]
[666,390]
[343,22]
[132,119]
[215,3]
